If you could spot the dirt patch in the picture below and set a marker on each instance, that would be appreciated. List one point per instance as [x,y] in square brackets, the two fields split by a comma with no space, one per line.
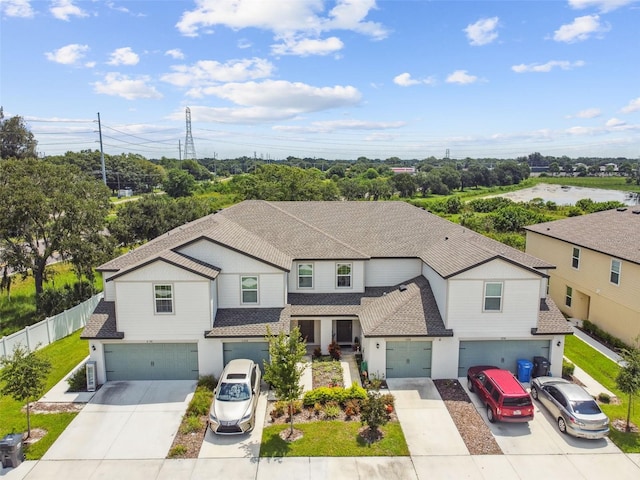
[474,431]
[621,425]
[288,436]
[188,444]
[327,374]
[36,435]
[47,407]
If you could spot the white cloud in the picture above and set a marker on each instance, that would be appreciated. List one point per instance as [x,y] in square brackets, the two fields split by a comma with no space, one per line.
[588,113]
[119,85]
[281,17]
[123,56]
[405,80]
[483,31]
[615,122]
[581,29]
[294,96]
[16,8]
[175,53]
[633,106]
[334,125]
[308,46]
[547,67]
[602,5]
[64,9]
[69,54]
[208,72]
[461,77]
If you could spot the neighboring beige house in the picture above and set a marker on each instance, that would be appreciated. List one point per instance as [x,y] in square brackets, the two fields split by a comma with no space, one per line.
[423,296]
[597,275]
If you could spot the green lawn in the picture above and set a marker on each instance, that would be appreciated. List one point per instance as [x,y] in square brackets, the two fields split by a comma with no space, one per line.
[605,371]
[18,309]
[332,439]
[63,355]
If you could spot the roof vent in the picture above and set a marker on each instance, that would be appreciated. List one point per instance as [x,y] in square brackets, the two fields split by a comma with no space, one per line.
[402,288]
[621,209]
[637,212]
[446,238]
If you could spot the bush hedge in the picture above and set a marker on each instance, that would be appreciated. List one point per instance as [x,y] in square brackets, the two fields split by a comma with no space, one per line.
[323,395]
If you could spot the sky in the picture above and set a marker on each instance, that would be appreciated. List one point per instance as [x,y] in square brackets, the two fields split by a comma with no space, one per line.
[337,79]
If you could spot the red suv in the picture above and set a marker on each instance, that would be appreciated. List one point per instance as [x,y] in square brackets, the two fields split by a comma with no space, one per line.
[505,398]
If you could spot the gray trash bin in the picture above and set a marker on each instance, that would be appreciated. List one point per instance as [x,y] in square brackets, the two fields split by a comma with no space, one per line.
[11,451]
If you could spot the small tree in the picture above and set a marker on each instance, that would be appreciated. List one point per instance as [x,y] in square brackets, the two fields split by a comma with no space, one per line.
[628,380]
[24,375]
[374,413]
[284,370]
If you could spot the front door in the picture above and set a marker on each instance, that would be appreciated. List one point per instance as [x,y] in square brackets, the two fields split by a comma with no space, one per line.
[307,328]
[343,331]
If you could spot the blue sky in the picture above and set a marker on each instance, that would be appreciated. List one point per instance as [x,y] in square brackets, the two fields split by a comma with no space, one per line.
[333,79]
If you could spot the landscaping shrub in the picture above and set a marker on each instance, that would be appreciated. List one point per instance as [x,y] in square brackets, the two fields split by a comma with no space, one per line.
[208,381]
[388,399]
[78,380]
[334,350]
[567,368]
[324,395]
[332,410]
[352,407]
[595,331]
[374,412]
[604,398]
[200,403]
[190,424]
[317,352]
[177,451]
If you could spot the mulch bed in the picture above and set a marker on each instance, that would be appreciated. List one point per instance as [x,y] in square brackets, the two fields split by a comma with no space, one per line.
[474,431]
[191,442]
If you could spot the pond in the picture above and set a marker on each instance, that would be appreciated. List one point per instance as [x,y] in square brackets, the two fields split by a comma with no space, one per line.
[569,195]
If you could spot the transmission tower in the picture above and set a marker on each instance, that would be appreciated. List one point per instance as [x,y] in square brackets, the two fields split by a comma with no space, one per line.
[189,148]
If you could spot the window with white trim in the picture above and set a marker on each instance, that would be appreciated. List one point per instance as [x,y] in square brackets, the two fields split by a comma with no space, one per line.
[575,258]
[163,295]
[492,296]
[343,275]
[249,287]
[614,277]
[568,296]
[305,275]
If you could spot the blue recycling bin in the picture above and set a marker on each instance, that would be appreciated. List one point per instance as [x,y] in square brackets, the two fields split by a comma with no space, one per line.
[525,367]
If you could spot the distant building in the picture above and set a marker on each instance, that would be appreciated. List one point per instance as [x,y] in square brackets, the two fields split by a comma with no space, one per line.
[409,170]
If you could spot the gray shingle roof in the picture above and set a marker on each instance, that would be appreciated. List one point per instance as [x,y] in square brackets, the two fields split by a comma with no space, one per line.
[183,261]
[280,232]
[102,323]
[611,232]
[249,322]
[550,320]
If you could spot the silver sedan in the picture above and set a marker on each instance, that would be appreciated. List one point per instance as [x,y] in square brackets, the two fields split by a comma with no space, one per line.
[575,411]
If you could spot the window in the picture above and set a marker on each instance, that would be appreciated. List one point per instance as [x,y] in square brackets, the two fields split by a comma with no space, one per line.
[305,275]
[163,298]
[249,289]
[615,272]
[343,275]
[575,258]
[567,298]
[492,296]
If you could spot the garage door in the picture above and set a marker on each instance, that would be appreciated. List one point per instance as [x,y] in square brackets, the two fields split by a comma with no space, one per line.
[501,353]
[256,351]
[151,361]
[408,359]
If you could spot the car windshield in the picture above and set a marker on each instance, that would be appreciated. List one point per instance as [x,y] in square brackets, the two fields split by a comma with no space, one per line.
[517,401]
[233,392]
[585,407]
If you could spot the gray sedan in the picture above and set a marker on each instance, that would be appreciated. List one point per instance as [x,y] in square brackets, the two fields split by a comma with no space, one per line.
[576,412]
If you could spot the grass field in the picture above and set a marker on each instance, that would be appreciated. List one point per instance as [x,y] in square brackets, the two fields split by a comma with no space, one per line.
[64,355]
[333,439]
[18,309]
[605,371]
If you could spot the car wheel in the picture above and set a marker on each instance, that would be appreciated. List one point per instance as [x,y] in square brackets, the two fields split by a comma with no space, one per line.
[562,426]
[490,416]
[534,393]
[470,384]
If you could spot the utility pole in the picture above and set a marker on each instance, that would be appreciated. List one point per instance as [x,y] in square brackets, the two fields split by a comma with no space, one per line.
[104,169]
[179,150]
[189,147]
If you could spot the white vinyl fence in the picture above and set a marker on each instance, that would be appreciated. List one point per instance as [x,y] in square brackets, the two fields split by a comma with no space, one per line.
[51,329]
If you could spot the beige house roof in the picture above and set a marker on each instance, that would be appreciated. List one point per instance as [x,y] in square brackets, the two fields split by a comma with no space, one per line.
[612,232]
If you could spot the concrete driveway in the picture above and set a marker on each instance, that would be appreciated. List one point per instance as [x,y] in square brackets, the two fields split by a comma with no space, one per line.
[126,420]
[237,446]
[426,423]
[539,436]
